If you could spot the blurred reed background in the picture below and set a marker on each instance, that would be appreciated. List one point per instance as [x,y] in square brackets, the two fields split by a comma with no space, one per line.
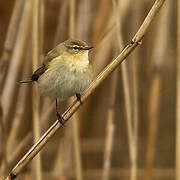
[127,128]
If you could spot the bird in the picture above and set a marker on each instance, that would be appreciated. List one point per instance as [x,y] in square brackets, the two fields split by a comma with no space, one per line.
[65,71]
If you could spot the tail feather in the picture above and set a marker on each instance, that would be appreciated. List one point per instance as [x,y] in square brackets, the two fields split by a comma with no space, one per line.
[25,81]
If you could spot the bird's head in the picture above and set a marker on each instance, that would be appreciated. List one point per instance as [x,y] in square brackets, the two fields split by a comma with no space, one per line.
[72,49]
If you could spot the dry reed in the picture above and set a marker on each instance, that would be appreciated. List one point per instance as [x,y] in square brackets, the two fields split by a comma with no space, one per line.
[158,59]
[10,39]
[178,97]
[36,166]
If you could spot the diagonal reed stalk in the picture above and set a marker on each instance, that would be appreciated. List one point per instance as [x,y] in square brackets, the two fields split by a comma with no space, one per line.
[76,104]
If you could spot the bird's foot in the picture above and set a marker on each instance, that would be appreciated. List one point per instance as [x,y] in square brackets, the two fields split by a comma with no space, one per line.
[12,175]
[78,96]
[60,118]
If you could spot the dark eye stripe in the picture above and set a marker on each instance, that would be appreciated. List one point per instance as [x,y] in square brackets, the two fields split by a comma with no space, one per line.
[76,47]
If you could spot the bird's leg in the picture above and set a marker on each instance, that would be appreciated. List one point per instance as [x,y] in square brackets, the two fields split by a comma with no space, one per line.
[78,96]
[59,117]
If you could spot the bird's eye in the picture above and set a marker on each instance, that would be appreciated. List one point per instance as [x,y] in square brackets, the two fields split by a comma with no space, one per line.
[75,47]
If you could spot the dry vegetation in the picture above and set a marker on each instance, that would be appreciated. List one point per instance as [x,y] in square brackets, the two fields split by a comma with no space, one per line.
[126,128]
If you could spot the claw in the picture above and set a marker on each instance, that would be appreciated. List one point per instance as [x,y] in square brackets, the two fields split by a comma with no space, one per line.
[78,96]
[60,118]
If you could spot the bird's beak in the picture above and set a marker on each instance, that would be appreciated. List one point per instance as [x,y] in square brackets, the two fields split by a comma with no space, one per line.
[88,47]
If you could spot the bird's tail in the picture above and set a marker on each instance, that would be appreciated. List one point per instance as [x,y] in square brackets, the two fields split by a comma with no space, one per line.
[25,81]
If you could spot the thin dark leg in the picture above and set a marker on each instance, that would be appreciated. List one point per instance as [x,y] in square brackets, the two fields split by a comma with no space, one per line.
[59,117]
[78,96]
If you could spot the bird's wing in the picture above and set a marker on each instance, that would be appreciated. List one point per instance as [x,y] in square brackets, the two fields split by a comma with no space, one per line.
[50,56]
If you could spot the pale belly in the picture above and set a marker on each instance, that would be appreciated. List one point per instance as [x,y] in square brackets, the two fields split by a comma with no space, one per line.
[62,83]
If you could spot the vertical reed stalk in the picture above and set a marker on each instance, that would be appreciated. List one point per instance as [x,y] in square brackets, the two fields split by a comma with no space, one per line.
[131,127]
[21,102]
[178,96]
[63,162]
[109,141]
[37,171]
[22,145]
[104,44]
[75,123]
[135,57]
[16,61]
[84,18]
[3,151]
[41,28]
[10,40]
[158,57]
[14,22]
[111,112]
[72,19]
[77,148]
[61,28]
[15,64]
[99,21]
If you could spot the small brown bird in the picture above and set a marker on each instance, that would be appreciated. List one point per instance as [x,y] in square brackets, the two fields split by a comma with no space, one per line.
[65,72]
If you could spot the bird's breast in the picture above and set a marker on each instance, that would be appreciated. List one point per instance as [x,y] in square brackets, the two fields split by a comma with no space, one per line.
[65,79]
